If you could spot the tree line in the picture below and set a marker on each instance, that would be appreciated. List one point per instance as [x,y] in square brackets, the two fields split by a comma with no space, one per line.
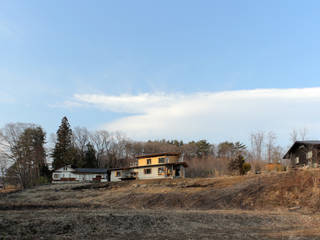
[25,155]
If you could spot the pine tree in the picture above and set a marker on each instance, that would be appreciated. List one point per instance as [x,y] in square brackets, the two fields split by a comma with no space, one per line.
[236,164]
[239,164]
[203,148]
[63,153]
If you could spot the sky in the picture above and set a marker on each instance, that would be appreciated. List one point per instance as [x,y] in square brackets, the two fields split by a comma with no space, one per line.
[187,70]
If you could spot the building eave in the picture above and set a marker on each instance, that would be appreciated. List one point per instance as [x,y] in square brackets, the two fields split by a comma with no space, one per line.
[158,154]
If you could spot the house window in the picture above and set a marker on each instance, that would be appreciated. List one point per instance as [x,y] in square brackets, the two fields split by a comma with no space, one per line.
[118,174]
[161,171]
[309,155]
[148,161]
[147,171]
[161,160]
[55,175]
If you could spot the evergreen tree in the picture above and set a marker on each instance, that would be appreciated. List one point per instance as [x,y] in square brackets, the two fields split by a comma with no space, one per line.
[236,164]
[239,164]
[63,153]
[239,148]
[90,160]
[203,148]
[226,149]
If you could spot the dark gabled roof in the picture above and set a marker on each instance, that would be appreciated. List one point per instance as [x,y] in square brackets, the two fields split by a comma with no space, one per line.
[91,170]
[158,154]
[300,143]
[309,142]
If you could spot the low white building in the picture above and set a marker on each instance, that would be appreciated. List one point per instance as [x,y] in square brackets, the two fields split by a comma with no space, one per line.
[69,174]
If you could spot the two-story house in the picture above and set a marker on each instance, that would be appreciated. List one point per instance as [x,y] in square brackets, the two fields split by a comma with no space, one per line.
[152,166]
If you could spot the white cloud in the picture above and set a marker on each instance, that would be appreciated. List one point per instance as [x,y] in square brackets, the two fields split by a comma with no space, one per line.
[127,103]
[216,116]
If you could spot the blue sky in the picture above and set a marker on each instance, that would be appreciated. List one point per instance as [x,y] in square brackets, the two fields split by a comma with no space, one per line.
[69,57]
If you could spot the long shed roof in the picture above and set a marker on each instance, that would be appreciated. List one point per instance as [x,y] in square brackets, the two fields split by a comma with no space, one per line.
[91,170]
[158,154]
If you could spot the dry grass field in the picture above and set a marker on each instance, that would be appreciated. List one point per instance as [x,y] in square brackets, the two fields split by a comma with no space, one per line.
[271,206]
[86,223]
[8,189]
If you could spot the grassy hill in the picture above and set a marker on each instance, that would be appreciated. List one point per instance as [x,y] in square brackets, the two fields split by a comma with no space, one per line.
[268,191]
[267,206]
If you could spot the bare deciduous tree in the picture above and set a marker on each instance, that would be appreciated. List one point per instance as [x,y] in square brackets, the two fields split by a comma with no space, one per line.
[257,141]
[81,137]
[294,136]
[277,153]
[101,142]
[303,132]
[271,137]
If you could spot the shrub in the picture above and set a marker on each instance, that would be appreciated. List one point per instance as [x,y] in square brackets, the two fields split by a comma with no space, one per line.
[238,164]
[246,167]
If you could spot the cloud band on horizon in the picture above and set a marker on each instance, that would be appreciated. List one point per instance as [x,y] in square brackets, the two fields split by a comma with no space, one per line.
[217,116]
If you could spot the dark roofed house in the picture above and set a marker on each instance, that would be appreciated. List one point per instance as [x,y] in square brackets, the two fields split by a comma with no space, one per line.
[304,153]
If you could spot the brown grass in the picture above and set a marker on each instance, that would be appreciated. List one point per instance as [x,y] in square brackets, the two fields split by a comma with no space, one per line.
[281,205]
[9,188]
[274,190]
[146,224]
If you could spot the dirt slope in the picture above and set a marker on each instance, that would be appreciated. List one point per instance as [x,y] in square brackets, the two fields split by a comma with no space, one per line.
[249,207]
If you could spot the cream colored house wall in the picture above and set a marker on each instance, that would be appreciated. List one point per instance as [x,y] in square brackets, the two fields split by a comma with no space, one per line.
[153,175]
[113,177]
[155,160]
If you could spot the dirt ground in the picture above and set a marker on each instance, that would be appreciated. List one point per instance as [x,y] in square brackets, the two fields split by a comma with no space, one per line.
[152,224]
[273,206]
